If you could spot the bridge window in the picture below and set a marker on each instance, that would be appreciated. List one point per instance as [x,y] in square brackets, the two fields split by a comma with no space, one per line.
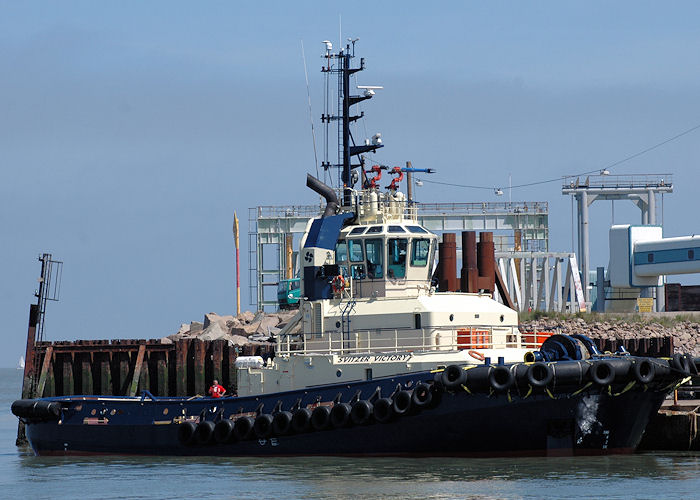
[691,254]
[396,229]
[375,251]
[355,251]
[341,251]
[396,265]
[375,229]
[650,257]
[358,230]
[416,229]
[419,252]
[358,271]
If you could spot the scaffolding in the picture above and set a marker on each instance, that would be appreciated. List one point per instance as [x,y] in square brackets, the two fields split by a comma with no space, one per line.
[517,226]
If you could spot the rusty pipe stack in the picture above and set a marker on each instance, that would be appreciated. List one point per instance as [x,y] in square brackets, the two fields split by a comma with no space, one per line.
[478,271]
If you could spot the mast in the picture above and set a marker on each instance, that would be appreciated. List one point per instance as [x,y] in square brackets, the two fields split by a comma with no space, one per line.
[347,146]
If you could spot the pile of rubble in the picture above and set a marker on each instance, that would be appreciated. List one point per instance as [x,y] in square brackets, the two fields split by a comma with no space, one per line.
[245,329]
[686,334]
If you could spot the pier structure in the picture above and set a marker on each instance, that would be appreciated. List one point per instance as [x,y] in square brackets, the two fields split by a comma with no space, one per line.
[274,233]
[641,189]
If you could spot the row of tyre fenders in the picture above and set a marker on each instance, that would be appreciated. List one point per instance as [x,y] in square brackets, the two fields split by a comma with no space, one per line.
[554,377]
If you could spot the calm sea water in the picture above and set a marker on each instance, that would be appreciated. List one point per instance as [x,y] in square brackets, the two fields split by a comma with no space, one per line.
[23,475]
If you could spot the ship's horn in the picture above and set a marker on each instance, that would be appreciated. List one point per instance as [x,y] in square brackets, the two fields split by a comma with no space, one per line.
[326,192]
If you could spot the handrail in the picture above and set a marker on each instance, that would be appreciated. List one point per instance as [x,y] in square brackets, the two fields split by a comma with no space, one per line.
[447,338]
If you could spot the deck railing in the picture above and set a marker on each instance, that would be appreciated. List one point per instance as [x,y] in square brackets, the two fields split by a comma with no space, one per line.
[466,337]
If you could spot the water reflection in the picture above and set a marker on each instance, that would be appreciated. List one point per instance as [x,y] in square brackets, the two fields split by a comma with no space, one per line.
[656,466]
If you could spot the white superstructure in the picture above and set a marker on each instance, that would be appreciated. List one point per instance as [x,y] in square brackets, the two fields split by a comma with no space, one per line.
[369,308]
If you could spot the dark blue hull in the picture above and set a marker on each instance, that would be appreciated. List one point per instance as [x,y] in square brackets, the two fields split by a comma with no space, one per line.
[579,419]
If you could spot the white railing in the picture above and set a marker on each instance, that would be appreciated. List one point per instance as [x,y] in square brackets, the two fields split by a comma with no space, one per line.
[448,338]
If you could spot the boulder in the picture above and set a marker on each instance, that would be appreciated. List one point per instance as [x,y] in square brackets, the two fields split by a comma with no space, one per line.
[246,317]
[212,317]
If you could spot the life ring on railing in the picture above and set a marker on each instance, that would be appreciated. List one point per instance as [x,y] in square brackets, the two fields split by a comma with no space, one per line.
[476,355]
[338,284]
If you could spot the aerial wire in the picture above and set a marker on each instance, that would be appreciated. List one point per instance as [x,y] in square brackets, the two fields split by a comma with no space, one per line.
[558,179]
[311,116]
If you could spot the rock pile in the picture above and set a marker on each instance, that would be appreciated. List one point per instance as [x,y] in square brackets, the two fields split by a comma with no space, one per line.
[686,334]
[245,329]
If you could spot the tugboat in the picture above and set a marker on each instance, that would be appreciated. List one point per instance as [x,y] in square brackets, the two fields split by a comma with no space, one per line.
[379,362]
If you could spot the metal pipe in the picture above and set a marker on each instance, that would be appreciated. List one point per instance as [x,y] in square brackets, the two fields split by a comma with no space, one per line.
[325,191]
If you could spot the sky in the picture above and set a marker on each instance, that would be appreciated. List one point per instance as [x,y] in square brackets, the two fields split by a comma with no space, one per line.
[131,131]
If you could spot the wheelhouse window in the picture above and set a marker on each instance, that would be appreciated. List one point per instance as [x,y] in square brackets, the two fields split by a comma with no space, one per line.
[375,251]
[341,251]
[355,251]
[396,259]
[420,251]
[357,271]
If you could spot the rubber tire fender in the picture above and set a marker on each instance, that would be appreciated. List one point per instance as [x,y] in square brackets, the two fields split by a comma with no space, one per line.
[453,376]
[185,433]
[340,415]
[602,373]
[691,365]
[205,432]
[320,418]
[680,363]
[501,378]
[644,371]
[402,402]
[243,428]
[539,374]
[361,412]
[282,423]
[422,395]
[263,426]
[301,420]
[223,431]
[383,410]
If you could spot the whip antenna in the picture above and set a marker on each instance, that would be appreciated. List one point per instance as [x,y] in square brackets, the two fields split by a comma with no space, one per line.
[311,116]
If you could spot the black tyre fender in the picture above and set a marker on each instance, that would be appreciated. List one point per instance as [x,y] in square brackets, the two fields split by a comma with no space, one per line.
[691,365]
[301,420]
[644,371]
[205,432]
[361,412]
[340,415]
[402,402]
[501,378]
[263,426]
[282,423]
[243,428]
[223,431]
[383,410]
[422,395]
[680,363]
[602,372]
[320,418]
[453,376]
[185,433]
[539,374]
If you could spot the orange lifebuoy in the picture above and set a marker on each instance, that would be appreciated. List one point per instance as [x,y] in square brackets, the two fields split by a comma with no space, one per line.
[338,284]
[476,355]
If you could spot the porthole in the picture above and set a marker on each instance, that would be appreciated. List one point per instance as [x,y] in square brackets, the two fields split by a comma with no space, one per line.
[691,254]
[502,318]
[452,317]
[165,411]
[338,373]
[650,257]
[337,324]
